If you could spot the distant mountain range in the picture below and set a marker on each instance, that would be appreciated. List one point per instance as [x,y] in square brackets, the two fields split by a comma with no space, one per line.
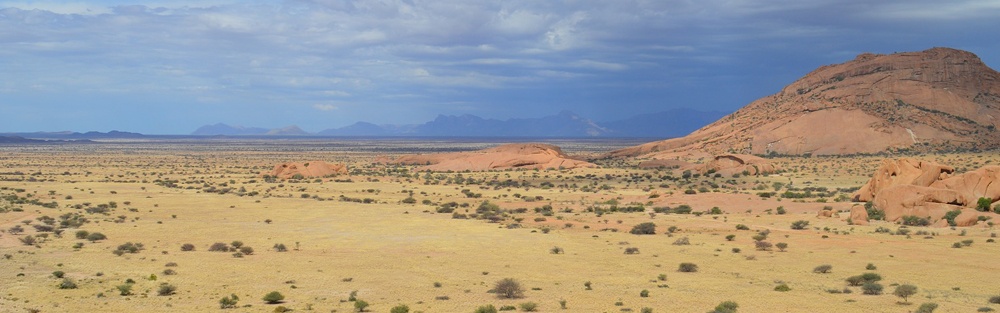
[673,123]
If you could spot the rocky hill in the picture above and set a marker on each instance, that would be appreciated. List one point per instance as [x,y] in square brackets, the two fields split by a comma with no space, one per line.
[937,99]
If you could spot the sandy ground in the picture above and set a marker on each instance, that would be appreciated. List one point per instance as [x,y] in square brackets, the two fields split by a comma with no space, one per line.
[393,253]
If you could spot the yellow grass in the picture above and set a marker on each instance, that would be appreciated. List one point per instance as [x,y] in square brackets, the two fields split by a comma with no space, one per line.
[392,253]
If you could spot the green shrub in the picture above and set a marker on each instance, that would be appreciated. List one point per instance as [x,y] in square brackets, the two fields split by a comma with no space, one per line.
[782,288]
[951,215]
[874,213]
[983,204]
[780,210]
[726,307]
[800,224]
[96,236]
[781,246]
[644,293]
[913,220]
[402,308]
[489,308]
[273,297]
[928,307]
[870,267]
[646,310]
[647,228]
[871,288]
[742,227]
[995,299]
[529,307]
[58,274]
[124,289]
[871,277]
[905,291]
[730,237]
[229,302]
[360,305]
[82,234]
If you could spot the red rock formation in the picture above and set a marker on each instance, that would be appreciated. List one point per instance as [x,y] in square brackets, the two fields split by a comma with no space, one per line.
[509,156]
[729,164]
[936,99]
[908,187]
[310,169]
[902,172]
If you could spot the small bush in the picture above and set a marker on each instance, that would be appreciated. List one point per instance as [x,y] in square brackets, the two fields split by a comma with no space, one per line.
[124,289]
[730,237]
[82,234]
[228,302]
[872,288]
[273,297]
[508,288]
[219,247]
[800,224]
[742,227]
[67,284]
[647,228]
[529,307]
[928,307]
[644,293]
[489,308]
[871,277]
[782,288]
[983,204]
[58,274]
[687,267]
[995,299]
[96,237]
[823,269]
[726,307]
[402,308]
[684,241]
[631,250]
[762,245]
[187,247]
[556,250]
[166,289]
[781,246]
[360,305]
[280,247]
[870,267]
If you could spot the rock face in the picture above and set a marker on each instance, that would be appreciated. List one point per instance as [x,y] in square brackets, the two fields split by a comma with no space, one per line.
[929,190]
[509,156]
[937,99]
[310,169]
[902,172]
[729,164]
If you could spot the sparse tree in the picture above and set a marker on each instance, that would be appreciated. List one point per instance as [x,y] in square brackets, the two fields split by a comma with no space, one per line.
[781,246]
[905,291]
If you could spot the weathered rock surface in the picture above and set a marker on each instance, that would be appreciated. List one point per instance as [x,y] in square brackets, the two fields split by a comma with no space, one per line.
[729,164]
[310,169]
[937,99]
[907,187]
[902,172]
[509,156]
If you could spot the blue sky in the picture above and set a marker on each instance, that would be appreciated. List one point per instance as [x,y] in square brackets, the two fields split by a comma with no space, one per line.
[168,67]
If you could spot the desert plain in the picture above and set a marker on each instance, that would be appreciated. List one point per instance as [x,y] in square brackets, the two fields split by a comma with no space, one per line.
[439,241]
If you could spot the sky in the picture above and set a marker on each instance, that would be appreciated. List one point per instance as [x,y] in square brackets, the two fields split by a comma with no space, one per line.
[168,67]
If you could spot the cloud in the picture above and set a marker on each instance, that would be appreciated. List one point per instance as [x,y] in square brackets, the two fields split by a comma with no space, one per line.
[324,107]
[491,54]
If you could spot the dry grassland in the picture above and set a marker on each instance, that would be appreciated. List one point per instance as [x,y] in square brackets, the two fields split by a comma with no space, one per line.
[166,195]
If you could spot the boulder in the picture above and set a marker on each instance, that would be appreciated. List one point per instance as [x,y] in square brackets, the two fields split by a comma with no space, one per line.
[859,216]
[729,164]
[902,172]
